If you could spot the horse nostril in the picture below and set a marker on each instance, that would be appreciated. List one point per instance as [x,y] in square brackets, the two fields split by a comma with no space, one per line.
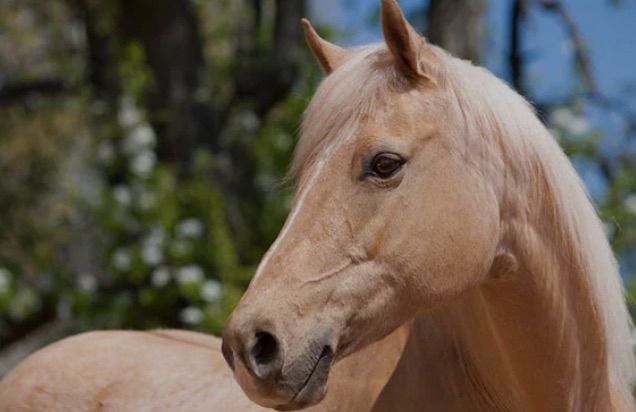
[265,349]
[228,354]
[265,356]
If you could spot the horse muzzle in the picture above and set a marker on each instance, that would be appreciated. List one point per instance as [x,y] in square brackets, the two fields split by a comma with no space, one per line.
[271,376]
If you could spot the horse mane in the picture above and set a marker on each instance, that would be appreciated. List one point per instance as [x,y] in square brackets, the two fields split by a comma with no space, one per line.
[495,113]
[529,149]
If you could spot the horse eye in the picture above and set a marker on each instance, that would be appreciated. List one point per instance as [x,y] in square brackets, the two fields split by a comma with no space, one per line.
[384,165]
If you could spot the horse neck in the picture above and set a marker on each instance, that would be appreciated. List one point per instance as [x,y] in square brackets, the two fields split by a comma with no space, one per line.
[529,338]
[510,345]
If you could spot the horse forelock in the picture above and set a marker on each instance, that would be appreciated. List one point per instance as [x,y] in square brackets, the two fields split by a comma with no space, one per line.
[357,88]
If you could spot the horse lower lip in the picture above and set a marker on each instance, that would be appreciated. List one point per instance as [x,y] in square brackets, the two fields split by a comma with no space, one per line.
[319,370]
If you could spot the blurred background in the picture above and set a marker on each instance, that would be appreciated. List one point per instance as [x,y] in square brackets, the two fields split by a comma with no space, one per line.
[144,143]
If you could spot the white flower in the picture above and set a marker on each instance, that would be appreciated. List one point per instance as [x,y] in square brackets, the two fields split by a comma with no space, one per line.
[570,122]
[87,282]
[191,315]
[630,203]
[143,163]
[189,228]
[5,279]
[190,274]
[249,121]
[75,34]
[578,126]
[211,290]
[160,277]
[152,246]
[156,236]
[609,229]
[141,138]
[129,114]
[105,152]
[151,254]
[561,116]
[122,195]
[121,259]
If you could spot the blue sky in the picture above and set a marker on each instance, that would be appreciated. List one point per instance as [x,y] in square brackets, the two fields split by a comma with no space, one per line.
[608,31]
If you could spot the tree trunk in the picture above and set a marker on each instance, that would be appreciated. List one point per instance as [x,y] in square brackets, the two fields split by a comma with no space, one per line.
[102,49]
[169,33]
[266,77]
[457,26]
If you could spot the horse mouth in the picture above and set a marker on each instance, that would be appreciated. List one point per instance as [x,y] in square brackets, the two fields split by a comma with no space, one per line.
[312,390]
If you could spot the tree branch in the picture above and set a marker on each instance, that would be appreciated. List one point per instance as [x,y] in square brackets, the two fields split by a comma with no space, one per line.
[168,30]
[515,57]
[18,91]
[457,26]
[102,51]
[580,55]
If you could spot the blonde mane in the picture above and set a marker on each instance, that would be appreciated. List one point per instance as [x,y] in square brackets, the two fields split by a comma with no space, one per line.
[525,143]
[499,118]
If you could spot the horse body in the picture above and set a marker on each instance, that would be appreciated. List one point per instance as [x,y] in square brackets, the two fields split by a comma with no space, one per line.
[119,371]
[167,370]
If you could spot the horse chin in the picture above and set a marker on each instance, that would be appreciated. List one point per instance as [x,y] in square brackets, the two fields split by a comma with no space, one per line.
[312,394]
[314,388]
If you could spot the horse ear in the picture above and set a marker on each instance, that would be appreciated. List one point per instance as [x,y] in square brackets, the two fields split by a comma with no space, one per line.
[402,39]
[329,55]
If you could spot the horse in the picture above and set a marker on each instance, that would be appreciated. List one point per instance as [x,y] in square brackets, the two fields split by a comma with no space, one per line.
[430,194]
[168,370]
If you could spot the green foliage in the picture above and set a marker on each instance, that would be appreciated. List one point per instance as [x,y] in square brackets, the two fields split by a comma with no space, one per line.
[167,247]
[135,76]
[99,231]
[271,151]
[96,229]
[33,228]
[617,202]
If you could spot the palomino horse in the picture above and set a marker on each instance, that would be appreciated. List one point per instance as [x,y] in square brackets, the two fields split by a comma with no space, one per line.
[428,191]
[169,370]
